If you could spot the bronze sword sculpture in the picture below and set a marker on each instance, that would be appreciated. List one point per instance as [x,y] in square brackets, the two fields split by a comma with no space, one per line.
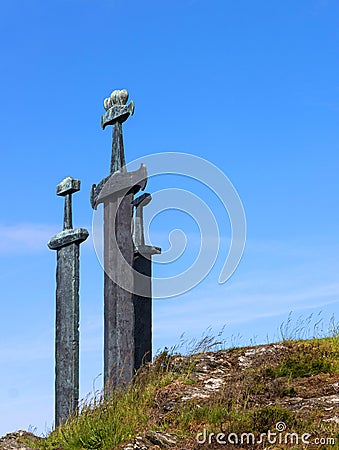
[116,193]
[67,243]
[142,286]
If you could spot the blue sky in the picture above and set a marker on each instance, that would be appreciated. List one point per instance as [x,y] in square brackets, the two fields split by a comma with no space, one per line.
[250,86]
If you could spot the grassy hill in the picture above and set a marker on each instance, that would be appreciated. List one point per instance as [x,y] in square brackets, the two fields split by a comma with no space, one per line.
[276,396]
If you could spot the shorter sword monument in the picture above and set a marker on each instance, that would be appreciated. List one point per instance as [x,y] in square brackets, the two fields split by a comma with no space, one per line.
[142,297]
[67,244]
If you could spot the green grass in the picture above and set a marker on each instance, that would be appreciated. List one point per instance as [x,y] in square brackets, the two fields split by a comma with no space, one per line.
[105,423]
[310,358]
[240,407]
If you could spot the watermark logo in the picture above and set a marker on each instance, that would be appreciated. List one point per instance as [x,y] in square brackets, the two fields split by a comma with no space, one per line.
[280,426]
[201,176]
[280,436]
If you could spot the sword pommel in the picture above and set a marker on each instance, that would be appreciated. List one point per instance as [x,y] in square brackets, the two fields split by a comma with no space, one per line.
[116,108]
[68,185]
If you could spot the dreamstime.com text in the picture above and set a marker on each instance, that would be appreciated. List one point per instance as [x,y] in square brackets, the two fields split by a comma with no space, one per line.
[280,436]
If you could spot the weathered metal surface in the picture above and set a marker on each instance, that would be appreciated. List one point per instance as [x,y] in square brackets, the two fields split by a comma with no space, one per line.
[95,192]
[67,333]
[117,110]
[142,298]
[118,301]
[142,264]
[143,314]
[118,162]
[139,203]
[68,185]
[66,237]
[118,185]
[67,244]
[116,193]
[66,188]
[117,113]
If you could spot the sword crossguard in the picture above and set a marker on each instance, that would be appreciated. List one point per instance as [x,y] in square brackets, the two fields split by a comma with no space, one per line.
[142,200]
[118,185]
[95,192]
[69,235]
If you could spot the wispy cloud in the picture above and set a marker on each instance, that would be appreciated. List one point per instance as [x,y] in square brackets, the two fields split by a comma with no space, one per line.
[26,237]
[239,305]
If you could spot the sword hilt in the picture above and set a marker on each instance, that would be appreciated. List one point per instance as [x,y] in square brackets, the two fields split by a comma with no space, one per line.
[66,188]
[139,203]
[117,112]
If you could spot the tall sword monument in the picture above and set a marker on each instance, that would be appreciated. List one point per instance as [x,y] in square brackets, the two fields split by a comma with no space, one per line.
[116,192]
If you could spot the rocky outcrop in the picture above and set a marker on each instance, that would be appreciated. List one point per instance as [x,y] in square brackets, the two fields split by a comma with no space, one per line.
[251,379]
[17,441]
